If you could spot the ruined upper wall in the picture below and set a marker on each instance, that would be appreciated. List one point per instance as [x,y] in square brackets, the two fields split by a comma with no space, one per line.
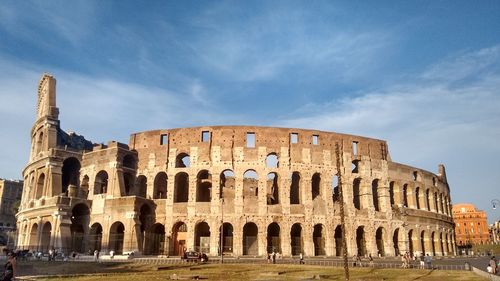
[226,138]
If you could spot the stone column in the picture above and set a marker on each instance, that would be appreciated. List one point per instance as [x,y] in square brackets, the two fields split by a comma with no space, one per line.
[307,238]
[286,248]
[214,236]
[262,239]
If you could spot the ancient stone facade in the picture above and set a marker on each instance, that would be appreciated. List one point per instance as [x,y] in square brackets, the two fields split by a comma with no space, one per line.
[10,195]
[471,225]
[255,189]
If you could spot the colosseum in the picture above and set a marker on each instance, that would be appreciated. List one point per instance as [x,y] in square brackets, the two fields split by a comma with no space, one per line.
[239,190]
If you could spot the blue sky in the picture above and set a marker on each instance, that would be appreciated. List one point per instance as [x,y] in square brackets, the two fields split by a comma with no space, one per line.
[423,75]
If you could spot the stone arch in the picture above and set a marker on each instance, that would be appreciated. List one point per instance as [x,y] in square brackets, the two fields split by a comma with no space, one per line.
[70,173]
[39,143]
[204,186]
[395,242]
[295,192]
[202,237]
[146,218]
[441,246]
[427,200]
[154,243]
[316,185]
[46,235]
[95,237]
[356,196]
[179,237]
[101,182]
[338,241]
[441,202]
[405,195]
[33,239]
[433,243]
[272,161]
[116,237]
[182,160]
[128,183]
[376,205]
[80,218]
[181,187]
[411,247]
[227,238]
[319,240]
[40,184]
[296,241]
[141,186]
[379,240]
[422,242]
[250,241]
[335,188]
[160,186]
[273,238]
[417,198]
[227,183]
[250,187]
[84,187]
[272,188]
[361,241]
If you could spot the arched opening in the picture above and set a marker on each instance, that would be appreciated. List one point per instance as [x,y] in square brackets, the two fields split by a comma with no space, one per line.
[375,195]
[441,203]
[46,233]
[95,237]
[316,185]
[202,237]
[160,186]
[80,218]
[395,242]
[250,242]
[227,185]
[319,240]
[405,195]
[203,186]
[436,207]
[417,197]
[295,189]
[391,193]
[181,187]
[39,143]
[227,238]
[433,245]
[84,187]
[272,189]
[338,241]
[70,173]
[272,161]
[356,194]
[410,242]
[141,186]
[427,200]
[129,161]
[273,238]
[296,239]
[441,244]
[33,240]
[128,182]
[179,237]
[360,241]
[146,219]
[335,188]
[250,189]
[116,235]
[39,186]
[379,238]
[182,160]
[101,183]
[422,242]
[155,240]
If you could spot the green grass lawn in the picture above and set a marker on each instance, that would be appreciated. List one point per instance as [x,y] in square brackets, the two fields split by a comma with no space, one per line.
[129,272]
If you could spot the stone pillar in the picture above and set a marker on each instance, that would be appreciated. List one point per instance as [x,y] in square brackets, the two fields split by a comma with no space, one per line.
[214,236]
[238,194]
[286,248]
[262,195]
[328,232]
[238,239]
[132,235]
[191,204]
[307,238]
[262,239]
[190,237]
[365,196]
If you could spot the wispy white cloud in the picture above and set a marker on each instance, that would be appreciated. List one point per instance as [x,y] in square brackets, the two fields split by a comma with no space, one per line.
[450,115]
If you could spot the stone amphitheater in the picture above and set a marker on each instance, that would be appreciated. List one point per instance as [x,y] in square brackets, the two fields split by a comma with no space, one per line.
[240,190]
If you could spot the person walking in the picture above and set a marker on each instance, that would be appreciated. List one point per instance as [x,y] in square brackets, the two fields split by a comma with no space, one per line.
[301,258]
[370,259]
[493,264]
[428,261]
[10,268]
[422,261]
[96,255]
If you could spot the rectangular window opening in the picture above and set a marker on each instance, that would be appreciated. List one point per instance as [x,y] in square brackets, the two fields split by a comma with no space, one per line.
[294,138]
[315,139]
[205,136]
[163,139]
[354,148]
[250,140]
